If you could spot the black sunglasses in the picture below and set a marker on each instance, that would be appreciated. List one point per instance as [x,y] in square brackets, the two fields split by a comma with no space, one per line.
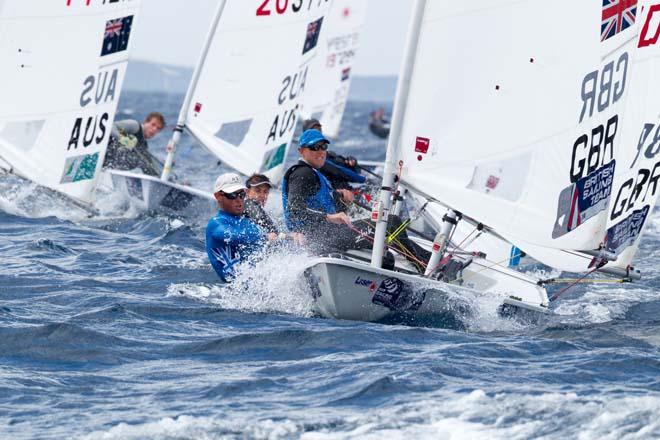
[322,146]
[235,195]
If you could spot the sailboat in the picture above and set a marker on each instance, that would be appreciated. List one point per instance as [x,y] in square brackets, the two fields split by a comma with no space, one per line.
[543,135]
[258,62]
[63,65]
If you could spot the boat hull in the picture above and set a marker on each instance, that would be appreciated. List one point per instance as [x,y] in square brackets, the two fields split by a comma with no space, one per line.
[151,194]
[353,290]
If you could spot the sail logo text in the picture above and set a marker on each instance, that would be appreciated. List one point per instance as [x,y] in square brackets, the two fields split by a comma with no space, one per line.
[631,190]
[292,87]
[650,33]
[624,233]
[601,88]
[653,148]
[88,2]
[584,199]
[282,6]
[97,89]
[590,152]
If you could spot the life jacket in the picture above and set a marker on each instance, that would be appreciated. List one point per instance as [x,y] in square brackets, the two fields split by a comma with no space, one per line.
[321,201]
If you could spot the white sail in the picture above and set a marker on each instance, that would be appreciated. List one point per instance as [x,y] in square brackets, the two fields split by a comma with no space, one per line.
[328,89]
[62,65]
[516,117]
[245,103]
[635,189]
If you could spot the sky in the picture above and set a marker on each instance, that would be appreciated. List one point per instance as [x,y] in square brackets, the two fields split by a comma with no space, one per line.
[172,32]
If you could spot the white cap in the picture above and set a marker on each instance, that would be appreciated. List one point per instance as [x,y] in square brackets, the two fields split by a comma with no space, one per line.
[228,183]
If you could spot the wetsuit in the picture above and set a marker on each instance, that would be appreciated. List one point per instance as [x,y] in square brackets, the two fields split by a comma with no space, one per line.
[255,212]
[128,149]
[230,240]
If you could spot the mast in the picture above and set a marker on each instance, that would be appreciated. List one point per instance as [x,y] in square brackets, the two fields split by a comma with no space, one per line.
[181,121]
[400,105]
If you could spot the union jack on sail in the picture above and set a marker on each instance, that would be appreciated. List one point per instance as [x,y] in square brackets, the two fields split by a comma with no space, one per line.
[618,15]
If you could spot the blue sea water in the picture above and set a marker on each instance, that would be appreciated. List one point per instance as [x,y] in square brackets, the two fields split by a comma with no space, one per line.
[113,327]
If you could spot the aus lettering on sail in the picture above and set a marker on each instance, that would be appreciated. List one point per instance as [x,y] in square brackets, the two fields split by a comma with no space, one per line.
[99,91]
[284,122]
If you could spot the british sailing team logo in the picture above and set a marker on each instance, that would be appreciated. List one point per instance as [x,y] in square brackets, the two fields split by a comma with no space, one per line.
[617,16]
[117,33]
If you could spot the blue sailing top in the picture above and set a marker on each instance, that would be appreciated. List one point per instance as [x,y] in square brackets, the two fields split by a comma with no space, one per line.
[230,239]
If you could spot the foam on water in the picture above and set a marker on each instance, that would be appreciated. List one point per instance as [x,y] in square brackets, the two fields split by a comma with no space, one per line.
[270,282]
[475,414]
[27,199]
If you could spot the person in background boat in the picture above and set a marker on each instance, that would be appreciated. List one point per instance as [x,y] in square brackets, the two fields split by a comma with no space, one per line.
[379,124]
[341,171]
[311,207]
[258,190]
[230,236]
[128,148]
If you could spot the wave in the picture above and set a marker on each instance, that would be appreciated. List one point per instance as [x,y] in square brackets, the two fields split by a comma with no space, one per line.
[455,415]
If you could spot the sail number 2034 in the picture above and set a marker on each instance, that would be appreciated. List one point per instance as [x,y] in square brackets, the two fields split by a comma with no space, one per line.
[282,6]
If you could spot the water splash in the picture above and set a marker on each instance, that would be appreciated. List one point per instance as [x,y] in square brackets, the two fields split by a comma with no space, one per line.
[271,281]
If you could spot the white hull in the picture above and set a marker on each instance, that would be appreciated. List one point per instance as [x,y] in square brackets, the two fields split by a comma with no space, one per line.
[149,193]
[353,290]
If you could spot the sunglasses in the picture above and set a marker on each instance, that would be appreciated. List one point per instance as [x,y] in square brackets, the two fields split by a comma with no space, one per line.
[235,195]
[322,146]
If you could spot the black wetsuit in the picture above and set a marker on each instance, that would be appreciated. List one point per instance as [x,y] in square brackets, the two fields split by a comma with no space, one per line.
[128,149]
[302,183]
[255,212]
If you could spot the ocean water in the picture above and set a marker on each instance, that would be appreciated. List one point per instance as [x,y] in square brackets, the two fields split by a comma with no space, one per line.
[113,327]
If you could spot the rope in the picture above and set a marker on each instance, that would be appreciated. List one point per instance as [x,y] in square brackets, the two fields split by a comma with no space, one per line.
[564,290]
[400,249]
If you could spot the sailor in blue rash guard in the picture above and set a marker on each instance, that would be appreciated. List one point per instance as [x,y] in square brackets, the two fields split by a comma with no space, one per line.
[230,237]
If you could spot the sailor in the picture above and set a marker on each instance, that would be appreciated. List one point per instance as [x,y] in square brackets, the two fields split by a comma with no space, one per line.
[258,190]
[128,148]
[379,124]
[340,170]
[231,237]
[310,206]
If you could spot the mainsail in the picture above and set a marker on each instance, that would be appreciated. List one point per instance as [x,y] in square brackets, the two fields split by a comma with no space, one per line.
[530,121]
[62,64]
[327,94]
[244,105]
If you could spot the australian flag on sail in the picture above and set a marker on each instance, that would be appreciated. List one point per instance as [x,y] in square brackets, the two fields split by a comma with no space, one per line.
[618,15]
[115,38]
[312,36]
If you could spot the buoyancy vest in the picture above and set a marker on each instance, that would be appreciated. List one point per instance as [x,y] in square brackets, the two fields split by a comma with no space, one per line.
[322,201]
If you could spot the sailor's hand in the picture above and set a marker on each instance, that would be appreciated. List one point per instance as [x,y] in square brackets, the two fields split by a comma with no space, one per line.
[350,161]
[271,236]
[346,195]
[339,218]
[298,238]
